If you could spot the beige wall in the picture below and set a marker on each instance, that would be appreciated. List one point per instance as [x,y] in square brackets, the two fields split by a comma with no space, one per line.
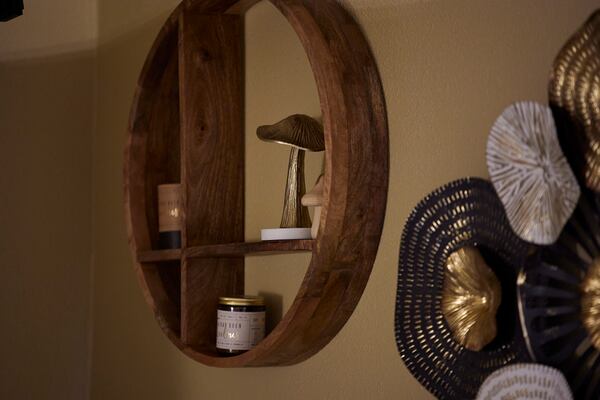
[448,69]
[47,98]
[48,28]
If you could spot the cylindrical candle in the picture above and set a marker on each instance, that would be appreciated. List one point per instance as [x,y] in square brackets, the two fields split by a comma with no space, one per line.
[169,216]
[240,324]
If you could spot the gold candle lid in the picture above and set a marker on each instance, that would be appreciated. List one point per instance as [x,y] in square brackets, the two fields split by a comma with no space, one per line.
[242,301]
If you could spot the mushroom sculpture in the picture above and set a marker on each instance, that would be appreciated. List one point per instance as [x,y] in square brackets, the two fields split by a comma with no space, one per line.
[314,198]
[302,133]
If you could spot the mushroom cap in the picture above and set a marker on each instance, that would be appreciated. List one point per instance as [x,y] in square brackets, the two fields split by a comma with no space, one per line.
[314,198]
[297,130]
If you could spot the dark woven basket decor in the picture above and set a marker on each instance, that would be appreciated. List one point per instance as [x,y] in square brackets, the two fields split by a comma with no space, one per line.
[551,301]
[465,212]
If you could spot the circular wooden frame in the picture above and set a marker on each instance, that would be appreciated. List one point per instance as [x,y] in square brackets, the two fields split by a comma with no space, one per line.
[182,286]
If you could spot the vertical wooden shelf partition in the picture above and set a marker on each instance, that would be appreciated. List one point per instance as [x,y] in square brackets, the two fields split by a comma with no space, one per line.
[212,154]
[187,126]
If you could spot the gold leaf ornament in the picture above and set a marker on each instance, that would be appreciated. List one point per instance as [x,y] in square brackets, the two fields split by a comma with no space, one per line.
[470,298]
[574,94]
[590,302]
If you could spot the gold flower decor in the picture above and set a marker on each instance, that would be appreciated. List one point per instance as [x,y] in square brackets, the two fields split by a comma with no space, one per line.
[470,298]
[590,302]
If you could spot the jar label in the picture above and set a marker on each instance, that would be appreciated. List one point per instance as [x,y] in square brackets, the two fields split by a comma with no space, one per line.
[239,330]
[169,208]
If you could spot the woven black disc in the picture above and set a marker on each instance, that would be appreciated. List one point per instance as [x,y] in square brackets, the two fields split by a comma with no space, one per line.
[550,301]
[462,213]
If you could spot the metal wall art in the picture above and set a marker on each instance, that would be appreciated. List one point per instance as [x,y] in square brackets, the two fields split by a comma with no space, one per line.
[559,298]
[590,302]
[460,215]
[574,93]
[501,273]
[525,381]
[470,298]
[530,173]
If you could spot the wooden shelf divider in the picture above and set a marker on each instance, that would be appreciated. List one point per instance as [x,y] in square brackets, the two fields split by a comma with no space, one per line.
[211,89]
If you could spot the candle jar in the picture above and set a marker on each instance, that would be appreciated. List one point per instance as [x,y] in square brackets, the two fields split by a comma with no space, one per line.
[240,324]
[169,216]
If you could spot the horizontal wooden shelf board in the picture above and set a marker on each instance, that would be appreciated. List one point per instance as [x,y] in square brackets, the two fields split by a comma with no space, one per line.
[248,248]
[227,250]
[159,255]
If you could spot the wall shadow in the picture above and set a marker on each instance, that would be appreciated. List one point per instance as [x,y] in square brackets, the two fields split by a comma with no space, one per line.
[46,125]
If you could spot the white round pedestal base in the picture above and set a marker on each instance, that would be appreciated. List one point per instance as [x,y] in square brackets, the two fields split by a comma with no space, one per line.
[285,234]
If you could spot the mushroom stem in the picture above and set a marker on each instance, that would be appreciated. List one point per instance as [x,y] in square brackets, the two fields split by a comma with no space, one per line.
[294,214]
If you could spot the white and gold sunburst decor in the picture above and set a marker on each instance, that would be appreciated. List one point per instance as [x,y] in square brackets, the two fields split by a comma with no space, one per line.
[530,173]
[525,381]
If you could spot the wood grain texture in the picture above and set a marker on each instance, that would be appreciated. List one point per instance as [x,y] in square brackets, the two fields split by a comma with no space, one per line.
[227,250]
[154,256]
[152,158]
[355,181]
[212,147]
[241,6]
[244,249]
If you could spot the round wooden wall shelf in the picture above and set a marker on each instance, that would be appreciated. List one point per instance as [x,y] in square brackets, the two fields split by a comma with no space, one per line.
[187,126]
